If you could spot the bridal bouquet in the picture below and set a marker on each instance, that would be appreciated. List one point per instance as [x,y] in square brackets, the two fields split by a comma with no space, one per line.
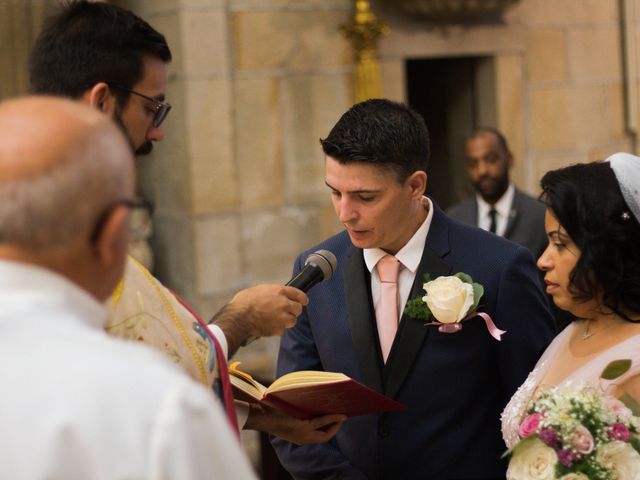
[575,433]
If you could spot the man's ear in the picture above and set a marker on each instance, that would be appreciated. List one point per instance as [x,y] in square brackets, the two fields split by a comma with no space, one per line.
[417,182]
[111,241]
[100,96]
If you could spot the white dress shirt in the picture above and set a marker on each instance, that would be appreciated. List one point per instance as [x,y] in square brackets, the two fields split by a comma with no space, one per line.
[78,404]
[409,257]
[503,211]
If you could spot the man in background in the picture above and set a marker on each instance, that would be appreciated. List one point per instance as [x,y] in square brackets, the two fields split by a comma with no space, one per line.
[76,403]
[498,206]
[111,59]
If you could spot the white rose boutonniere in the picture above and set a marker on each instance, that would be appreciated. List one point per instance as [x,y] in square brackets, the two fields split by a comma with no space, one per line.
[450,300]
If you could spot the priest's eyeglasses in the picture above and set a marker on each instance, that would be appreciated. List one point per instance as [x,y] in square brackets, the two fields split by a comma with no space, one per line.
[160,109]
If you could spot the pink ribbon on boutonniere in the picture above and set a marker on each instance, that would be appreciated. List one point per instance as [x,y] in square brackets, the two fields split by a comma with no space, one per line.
[494,331]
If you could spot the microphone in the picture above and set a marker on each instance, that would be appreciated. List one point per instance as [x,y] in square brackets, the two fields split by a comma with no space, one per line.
[318,266]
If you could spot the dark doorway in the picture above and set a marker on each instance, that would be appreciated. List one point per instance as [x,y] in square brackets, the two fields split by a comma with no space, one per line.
[454,95]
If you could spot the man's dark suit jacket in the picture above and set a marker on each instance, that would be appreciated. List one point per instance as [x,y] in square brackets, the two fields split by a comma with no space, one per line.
[455,385]
[524,226]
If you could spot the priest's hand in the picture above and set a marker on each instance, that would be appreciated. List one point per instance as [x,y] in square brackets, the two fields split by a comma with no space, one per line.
[260,311]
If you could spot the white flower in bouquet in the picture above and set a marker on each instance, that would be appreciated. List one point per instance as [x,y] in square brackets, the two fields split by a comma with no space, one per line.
[621,458]
[448,298]
[574,476]
[533,460]
[618,408]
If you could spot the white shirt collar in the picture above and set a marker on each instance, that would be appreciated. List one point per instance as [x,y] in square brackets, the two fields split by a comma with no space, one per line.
[27,284]
[409,255]
[502,206]
[503,209]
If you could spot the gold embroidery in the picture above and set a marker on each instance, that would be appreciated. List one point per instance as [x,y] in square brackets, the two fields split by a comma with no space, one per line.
[175,320]
[140,301]
[118,292]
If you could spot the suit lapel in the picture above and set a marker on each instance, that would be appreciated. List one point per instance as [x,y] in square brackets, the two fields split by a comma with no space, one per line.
[513,215]
[474,214]
[412,332]
[361,319]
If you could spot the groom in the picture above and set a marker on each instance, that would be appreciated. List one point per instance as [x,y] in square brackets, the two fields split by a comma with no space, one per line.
[454,384]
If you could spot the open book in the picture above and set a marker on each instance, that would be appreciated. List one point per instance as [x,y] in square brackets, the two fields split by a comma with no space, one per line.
[309,394]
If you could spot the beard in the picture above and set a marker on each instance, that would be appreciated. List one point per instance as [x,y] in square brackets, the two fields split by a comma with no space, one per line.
[145,149]
[492,189]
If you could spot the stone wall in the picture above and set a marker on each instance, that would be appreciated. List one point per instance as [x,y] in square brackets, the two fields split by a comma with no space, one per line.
[558,76]
[238,182]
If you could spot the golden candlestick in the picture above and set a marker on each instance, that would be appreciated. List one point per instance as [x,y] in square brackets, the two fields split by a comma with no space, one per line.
[363,32]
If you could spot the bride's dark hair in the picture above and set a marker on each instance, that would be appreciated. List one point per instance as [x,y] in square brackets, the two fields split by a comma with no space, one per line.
[587,201]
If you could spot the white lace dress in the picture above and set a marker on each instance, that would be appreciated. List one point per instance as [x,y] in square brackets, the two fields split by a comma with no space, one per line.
[589,372]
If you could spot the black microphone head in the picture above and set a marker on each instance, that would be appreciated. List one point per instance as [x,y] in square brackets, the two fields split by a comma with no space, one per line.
[324,260]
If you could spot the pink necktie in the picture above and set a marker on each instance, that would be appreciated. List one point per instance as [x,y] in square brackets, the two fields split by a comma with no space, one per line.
[387,308]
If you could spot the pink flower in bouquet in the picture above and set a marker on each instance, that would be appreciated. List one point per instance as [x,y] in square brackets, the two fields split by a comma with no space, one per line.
[620,432]
[617,407]
[582,440]
[567,457]
[530,425]
[549,436]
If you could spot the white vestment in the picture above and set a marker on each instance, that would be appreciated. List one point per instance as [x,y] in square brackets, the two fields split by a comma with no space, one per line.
[78,404]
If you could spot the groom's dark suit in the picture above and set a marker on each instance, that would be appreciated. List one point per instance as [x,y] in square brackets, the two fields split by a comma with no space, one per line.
[455,385]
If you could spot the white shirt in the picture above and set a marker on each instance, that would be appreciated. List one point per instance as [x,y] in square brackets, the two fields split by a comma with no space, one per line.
[77,404]
[409,257]
[503,211]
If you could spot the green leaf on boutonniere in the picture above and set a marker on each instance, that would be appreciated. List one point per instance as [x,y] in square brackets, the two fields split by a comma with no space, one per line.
[466,278]
[478,290]
[615,369]
[416,307]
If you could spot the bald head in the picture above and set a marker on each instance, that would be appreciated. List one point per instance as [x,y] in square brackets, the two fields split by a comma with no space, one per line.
[61,165]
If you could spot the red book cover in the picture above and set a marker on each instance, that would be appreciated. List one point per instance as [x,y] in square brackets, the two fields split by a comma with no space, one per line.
[310,394]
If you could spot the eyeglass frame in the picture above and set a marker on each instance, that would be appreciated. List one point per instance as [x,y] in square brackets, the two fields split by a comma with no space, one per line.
[132,204]
[160,111]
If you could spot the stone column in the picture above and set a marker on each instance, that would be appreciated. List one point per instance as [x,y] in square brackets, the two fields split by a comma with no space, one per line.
[20,22]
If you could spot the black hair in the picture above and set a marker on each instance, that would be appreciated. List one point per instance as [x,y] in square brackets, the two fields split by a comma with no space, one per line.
[587,201]
[85,43]
[502,141]
[386,134]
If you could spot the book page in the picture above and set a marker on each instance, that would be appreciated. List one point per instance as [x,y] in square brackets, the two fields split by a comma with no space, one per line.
[305,378]
[245,382]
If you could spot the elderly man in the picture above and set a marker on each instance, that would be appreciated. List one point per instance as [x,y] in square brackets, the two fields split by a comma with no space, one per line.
[76,403]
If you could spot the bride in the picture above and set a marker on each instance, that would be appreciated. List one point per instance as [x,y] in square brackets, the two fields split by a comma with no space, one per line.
[592,270]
